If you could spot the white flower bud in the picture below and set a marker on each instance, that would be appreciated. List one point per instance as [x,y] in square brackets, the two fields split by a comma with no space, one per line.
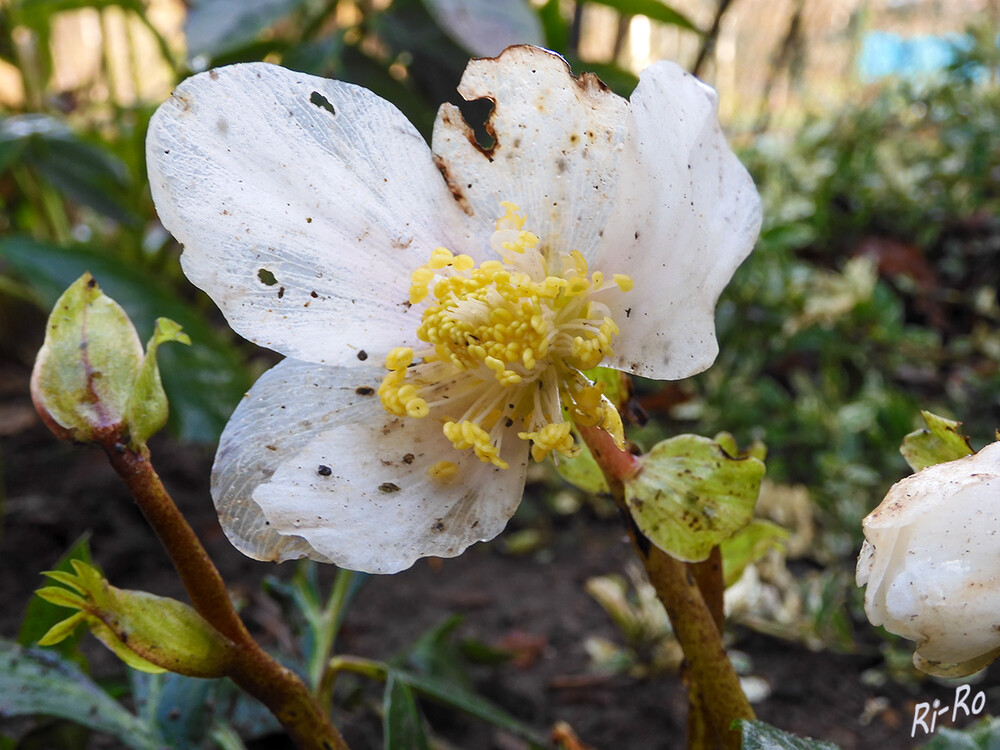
[931,563]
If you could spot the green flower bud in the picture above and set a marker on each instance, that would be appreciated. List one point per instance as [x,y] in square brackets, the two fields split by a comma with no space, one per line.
[91,381]
[149,633]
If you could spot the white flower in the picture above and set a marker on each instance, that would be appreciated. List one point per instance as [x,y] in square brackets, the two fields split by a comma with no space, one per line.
[931,562]
[435,305]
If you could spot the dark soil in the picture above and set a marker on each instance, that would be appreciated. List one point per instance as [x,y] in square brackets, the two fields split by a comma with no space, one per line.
[53,493]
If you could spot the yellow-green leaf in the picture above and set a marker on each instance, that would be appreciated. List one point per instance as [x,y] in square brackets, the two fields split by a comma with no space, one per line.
[938,443]
[748,545]
[691,495]
[147,410]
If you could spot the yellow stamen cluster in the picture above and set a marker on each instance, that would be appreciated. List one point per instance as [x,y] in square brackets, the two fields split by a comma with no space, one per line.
[513,337]
[398,397]
[556,437]
[466,434]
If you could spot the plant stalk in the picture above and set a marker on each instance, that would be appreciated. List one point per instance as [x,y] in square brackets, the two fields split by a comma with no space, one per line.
[254,670]
[717,699]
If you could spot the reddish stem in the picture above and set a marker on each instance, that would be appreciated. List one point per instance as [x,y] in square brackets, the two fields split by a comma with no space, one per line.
[715,691]
[277,687]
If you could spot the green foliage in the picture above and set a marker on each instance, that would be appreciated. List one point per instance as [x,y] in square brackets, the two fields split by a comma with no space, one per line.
[939,442]
[149,633]
[760,736]
[871,293]
[691,495]
[39,682]
[984,735]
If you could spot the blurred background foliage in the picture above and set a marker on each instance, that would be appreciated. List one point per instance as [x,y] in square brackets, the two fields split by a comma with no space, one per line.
[872,292]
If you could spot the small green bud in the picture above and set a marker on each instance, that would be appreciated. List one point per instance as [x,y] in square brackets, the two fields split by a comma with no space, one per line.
[690,495]
[149,633]
[939,443]
[91,381]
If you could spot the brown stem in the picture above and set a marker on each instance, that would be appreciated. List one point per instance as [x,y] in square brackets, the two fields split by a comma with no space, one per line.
[278,688]
[715,689]
[708,575]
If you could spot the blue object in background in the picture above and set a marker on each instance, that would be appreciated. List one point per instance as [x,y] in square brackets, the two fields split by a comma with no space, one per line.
[887,54]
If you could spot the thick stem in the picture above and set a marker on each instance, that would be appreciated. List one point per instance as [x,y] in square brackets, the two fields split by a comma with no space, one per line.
[278,688]
[715,688]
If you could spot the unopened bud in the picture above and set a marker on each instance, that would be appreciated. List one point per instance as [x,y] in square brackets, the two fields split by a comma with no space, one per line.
[91,381]
[149,633]
[930,563]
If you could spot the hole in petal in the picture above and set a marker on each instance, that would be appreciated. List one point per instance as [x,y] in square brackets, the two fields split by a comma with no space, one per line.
[322,102]
[266,277]
[477,114]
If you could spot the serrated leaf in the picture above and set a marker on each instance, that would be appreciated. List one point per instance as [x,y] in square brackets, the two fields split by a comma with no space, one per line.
[40,616]
[148,632]
[760,736]
[748,545]
[402,724]
[690,495]
[652,9]
[939,443]
[486,27]
[34,682]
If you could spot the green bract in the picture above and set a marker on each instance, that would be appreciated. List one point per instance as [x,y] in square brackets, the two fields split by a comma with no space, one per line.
[939,443]
[149,633]
[91,381]
[690,495]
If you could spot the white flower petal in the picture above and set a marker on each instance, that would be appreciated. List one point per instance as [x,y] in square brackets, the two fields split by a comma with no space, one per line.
[311,466]
[259,170]
[556,151]
[687,214]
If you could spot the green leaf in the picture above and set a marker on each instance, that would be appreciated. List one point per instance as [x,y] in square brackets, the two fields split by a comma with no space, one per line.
[472,704]
[204,382]
[40,616]
[939,443]
[402,723]
[437,670]
[217,27]
[147,407]
[582,470]
[181,708]
[983,735]
[760,736]
[750,544]
[148,632]
[556,27]
[691,495]
[486,27]
[85,173]
[652,9]
[435,654]
[36,682]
